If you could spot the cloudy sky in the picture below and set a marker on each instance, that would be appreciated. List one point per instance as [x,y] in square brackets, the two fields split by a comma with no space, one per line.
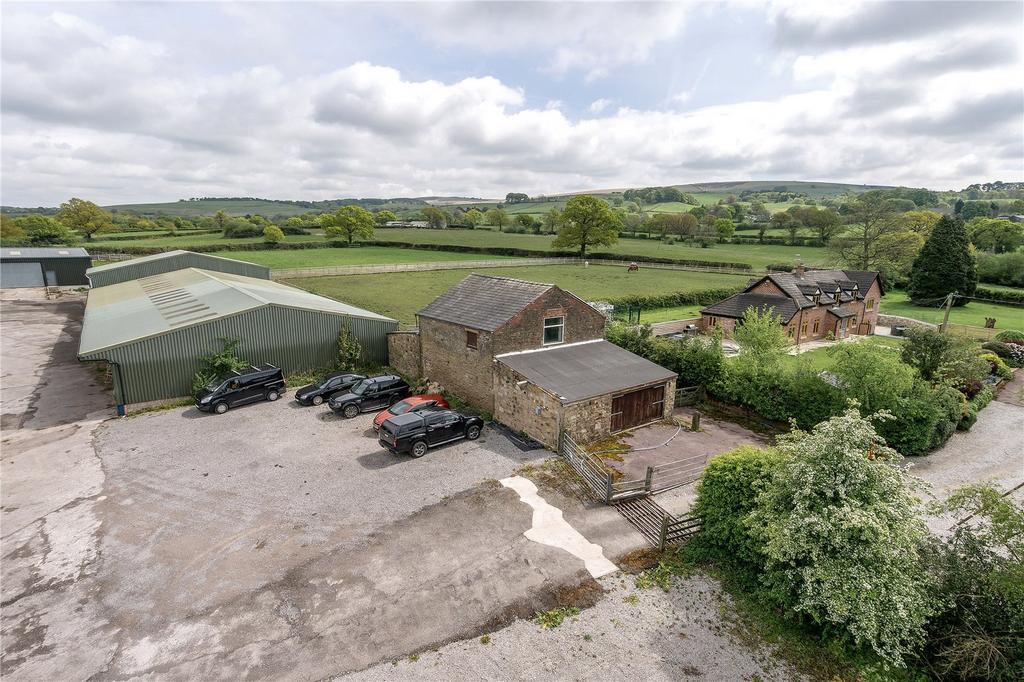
[126,102]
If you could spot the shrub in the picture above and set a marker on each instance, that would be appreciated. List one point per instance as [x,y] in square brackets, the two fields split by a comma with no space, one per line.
[1010,336]
[218,365]
[726,494]
[926,349]
[999,348]
[977,633]
[1004,295]
[674,299]
[839,519]
[997,365]
[293,229]
[974,406]
[272,234]
[350,351]
[1006,269]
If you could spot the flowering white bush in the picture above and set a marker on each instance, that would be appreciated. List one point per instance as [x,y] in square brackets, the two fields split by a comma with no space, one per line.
[842,531]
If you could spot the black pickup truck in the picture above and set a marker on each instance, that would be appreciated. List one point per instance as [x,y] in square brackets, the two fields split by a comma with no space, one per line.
[414,433]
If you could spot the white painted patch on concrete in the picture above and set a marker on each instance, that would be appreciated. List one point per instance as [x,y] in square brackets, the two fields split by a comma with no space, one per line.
[549,528]
[71,541]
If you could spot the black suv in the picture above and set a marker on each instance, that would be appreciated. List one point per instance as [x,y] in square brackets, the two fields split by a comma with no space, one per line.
[374,393]
[415,432]
[315,394]
[265,382]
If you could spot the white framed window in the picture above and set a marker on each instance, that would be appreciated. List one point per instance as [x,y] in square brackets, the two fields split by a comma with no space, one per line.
[554,330]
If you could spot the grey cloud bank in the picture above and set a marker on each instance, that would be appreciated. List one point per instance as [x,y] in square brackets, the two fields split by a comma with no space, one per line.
[896,93]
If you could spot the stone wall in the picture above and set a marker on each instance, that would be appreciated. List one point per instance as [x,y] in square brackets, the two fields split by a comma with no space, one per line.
[588,420]
[461,370]
[404,353]
[525,331]
[527,408]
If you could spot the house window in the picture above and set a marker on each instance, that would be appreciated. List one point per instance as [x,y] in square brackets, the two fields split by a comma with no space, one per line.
[869,304]
[817,327]
[554,328]
[712,321]
[803,329]
[789,332]
[471,339]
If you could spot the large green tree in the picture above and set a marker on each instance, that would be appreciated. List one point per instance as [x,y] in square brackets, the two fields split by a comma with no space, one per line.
[868,218]
[43,230]
[383,216]
[350,222]
[497,217]
[435,217]
[84,217]
[944,264]
[587,221]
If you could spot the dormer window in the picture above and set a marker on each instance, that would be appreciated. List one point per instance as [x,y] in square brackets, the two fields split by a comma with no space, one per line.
[817,297]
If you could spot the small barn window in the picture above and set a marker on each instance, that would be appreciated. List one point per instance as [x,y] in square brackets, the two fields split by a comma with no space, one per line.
[554,328]
[471,339]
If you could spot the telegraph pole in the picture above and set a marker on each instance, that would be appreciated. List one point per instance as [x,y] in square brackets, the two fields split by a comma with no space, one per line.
[949,304]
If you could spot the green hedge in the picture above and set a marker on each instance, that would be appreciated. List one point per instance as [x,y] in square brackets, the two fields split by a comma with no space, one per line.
[974,406]
[676,298]
[1001,295]
[726,494]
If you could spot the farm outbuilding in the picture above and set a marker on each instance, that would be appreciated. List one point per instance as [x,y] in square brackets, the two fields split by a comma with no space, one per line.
[169,261]
[23,267]
[589,390]
[153,331]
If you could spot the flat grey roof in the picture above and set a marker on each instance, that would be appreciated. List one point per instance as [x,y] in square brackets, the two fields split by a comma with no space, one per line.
[28,253]
[578,371]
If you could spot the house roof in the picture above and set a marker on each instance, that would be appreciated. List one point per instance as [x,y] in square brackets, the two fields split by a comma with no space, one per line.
[32,253]
[579,371]
[484,302]
[735,306]
[141,308]
[841,313]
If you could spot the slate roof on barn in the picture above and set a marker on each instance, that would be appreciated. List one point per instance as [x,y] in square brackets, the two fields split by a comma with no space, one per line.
[484,302]
[735,306]
[589,369]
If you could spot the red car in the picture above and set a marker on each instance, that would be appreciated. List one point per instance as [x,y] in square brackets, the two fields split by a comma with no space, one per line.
[414,403]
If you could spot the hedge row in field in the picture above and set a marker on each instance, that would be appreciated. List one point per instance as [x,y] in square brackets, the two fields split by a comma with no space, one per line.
[452,248]
[676,298]
[1001,295]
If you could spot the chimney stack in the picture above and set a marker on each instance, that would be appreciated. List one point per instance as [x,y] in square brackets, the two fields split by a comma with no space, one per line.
[799,269]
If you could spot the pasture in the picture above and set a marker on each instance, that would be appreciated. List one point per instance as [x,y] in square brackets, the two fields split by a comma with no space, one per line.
[973,314]
[359,255]
[400,295]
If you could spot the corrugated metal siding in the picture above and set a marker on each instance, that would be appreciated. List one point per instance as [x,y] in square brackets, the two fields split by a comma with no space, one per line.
[163,366]
[129,270]
[68,272]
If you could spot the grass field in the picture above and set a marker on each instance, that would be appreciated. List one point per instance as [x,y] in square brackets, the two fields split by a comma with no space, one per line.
[757,255]
[974,313]
[362,255]
[400,295]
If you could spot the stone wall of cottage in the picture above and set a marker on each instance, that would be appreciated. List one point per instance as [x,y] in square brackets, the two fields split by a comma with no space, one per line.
[526,409]
[588,420]
[726,323]
[872,297]
[461,370]
[404,353]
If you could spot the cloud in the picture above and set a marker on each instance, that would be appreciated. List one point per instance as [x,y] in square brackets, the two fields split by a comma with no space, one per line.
[123,120]
[587,37]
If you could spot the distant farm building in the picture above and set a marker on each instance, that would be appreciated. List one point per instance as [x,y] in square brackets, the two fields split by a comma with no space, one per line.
[24,267]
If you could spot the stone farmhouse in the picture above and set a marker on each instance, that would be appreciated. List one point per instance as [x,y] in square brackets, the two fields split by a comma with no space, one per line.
[811,303]
[534,356]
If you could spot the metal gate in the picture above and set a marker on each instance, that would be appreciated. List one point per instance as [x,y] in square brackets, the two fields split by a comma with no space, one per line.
[21,275]
[638,407]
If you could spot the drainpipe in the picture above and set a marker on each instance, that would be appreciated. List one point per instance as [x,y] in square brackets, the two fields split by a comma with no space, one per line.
[120,382]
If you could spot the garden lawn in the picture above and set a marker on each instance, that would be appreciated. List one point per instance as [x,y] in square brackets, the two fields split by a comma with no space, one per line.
[973,314]
[360,255]
[685,312]
[400,295]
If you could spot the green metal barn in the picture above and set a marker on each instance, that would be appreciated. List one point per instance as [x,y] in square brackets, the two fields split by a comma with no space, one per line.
[153,330]
[169,261]
[63,266]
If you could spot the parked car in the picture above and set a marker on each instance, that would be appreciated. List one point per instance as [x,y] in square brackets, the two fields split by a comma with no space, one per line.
[415,432]
[414,403]
[265,382]
[372,393]
[339,382]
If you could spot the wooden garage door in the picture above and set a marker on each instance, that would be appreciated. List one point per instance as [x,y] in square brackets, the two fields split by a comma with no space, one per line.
[638,407]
